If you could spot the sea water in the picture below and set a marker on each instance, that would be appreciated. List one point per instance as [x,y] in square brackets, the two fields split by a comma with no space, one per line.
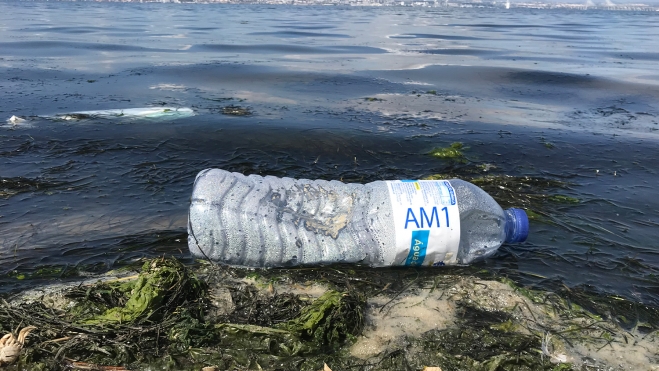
[554,96]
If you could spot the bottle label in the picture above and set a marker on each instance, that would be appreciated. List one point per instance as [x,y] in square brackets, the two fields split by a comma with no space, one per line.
[427,222]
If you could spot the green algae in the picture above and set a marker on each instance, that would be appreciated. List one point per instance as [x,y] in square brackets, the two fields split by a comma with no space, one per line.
[322,326]
[452,152]
[532,215]
[288,331]
[563,199]
[329,320]
[44,272]
[262,339]
[156,286]
[121,321]
[162,318]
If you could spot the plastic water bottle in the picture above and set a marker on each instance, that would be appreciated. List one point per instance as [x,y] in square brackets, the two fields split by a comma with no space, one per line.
[267,221]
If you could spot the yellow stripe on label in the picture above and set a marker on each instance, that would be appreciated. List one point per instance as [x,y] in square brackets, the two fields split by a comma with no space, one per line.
[417,186]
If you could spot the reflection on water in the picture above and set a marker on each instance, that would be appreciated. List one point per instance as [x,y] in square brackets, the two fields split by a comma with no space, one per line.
[566,98]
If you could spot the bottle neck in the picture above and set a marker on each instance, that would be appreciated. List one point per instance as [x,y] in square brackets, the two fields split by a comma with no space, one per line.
[517,225]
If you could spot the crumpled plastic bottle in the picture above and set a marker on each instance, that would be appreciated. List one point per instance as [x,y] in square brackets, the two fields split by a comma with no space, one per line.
[267,221]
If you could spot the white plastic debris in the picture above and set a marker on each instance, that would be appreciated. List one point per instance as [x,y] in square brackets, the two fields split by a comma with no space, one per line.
[547,350]
[157,113]
[147,112]
[15,120]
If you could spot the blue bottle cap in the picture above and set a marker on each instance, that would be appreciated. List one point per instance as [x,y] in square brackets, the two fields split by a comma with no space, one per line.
[517,225]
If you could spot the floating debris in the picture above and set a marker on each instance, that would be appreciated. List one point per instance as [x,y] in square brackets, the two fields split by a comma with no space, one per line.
[159,113]
[15,120]
[236,111]
[147,113]
[221,99]
[486,167]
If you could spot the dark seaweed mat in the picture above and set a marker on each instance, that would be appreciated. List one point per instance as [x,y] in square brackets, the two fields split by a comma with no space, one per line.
[63,335]
[183,336]
[178,333]
[396,280]
[251,307]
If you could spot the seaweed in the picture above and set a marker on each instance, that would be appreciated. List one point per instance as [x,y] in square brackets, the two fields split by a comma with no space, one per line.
[251,306]
[528,192]
[162,317]
[169,316]
[162,284]
[627,314]
[329,320]
[453,152]
[128,322]
[476,343]
[13,186]
[563,199]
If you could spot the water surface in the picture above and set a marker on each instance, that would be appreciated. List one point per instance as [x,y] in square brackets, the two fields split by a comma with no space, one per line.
[355,94]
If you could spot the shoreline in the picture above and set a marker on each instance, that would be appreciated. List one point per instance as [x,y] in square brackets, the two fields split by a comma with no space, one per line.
[445,318]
